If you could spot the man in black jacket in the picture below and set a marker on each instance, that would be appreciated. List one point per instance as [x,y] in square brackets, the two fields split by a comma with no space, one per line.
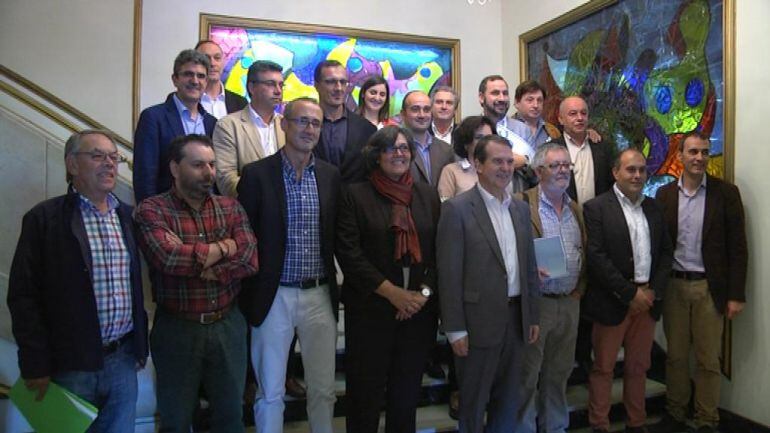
[75,289]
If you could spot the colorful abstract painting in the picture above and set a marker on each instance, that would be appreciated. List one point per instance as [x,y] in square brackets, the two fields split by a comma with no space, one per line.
[403,60]
[651,71]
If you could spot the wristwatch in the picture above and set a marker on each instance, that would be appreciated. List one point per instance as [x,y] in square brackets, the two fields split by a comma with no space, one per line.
[426,291]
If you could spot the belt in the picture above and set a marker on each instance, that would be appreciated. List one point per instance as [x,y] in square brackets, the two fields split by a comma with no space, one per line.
[114,345]
[306,284]
[202,318]
[555,295]
[514,300]
[688,275]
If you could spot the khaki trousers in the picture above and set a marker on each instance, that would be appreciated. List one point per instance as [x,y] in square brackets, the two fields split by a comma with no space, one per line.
[690,319]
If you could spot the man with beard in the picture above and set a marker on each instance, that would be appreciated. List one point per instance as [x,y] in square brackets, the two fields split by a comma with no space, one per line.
[495,101]
[181,114]
[217,100]
[443,101]
[344,132]
[548,362]
[254,132]
[432,153]
[199,246]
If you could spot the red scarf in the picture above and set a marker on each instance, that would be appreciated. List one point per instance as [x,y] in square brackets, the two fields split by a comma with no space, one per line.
[399,192]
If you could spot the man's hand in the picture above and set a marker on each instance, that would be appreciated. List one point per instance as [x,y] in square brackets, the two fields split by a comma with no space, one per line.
[593,135]
[543,274]
[733,309]
[208,274]
[40,384]
[460,347]
[641,301]
[230,247]
[534,334]
[575,294]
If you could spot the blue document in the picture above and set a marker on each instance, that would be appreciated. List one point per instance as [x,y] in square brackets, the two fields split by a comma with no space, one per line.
[551,257]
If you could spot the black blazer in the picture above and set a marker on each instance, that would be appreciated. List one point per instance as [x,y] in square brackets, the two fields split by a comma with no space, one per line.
[359,130]
[365,245]
[51,297]
[261,192]
[234,102]
[610,259]
[724,250]
[602,155]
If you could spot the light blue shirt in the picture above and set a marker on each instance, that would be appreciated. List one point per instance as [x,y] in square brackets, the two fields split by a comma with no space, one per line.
[191,125]
[689,237]
[518,144]
[568,230]
[424,151]
[536,139]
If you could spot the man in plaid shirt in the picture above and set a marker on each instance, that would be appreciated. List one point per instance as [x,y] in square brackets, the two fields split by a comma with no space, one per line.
[75,289]
[199,246]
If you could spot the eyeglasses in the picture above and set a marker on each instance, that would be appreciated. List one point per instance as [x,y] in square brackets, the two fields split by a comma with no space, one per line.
[101,157]
[333,82]
[555,166]
[270,83]
[303,122]
[404,148]
[191,74]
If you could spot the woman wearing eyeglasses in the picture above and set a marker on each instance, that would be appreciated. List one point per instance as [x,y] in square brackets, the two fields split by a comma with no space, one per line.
[374,101]
[385,246]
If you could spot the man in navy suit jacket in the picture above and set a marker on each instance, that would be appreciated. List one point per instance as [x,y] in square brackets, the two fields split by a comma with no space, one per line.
[181,114]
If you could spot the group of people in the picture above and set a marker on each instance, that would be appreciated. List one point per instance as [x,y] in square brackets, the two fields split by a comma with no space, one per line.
[242,211]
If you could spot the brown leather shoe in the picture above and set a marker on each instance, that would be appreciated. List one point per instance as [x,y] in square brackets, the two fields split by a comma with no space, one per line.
[454,405]
[295,389]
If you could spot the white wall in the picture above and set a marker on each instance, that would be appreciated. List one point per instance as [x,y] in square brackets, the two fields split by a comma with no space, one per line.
[747,394]
[477,27]
[79,50]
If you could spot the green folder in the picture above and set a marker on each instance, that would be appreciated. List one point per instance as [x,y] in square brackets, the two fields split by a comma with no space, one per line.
[60,411]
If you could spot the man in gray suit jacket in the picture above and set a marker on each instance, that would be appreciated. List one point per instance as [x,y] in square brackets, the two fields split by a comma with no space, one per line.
[432,153]
[253,133]
[488,284]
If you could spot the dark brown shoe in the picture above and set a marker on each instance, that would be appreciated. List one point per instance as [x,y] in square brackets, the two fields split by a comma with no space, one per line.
[295,389]
[454,405]
[668,424]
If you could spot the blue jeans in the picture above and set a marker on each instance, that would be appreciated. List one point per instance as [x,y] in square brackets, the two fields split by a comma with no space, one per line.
[187,354]
[112,390]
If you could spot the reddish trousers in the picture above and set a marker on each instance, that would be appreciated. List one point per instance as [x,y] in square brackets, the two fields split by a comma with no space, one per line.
[635,334]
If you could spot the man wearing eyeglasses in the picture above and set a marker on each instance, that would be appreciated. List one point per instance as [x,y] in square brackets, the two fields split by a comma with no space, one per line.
[432,153]
[181,114]
[344,133]
[548,362]
[708,283]
[75,289]
[291,201]
[254,132]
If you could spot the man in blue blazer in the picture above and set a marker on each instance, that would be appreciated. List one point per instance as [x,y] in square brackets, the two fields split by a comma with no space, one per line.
[181,114]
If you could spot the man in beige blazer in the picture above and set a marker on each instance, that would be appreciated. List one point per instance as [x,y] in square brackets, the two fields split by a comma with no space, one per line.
[252,133]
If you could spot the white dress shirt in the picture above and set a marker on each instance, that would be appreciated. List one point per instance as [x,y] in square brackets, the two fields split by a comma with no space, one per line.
[639,232]
[266,132]
[215,106]
[581,156]
[445,137]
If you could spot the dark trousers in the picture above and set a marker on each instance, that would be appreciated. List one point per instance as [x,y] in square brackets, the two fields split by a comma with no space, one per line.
[384,362]
[489,378]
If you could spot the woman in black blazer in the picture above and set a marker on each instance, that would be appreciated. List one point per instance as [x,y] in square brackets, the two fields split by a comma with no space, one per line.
[386,228]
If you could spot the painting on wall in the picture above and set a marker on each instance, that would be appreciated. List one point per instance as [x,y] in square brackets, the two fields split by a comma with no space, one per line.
[407,62]
[650,71]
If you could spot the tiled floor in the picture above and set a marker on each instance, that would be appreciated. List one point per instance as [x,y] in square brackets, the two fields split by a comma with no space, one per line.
[436,419]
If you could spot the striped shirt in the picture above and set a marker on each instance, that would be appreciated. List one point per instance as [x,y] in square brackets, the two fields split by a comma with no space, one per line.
[302,260]
[568,230]
[110,268]
[175,240]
